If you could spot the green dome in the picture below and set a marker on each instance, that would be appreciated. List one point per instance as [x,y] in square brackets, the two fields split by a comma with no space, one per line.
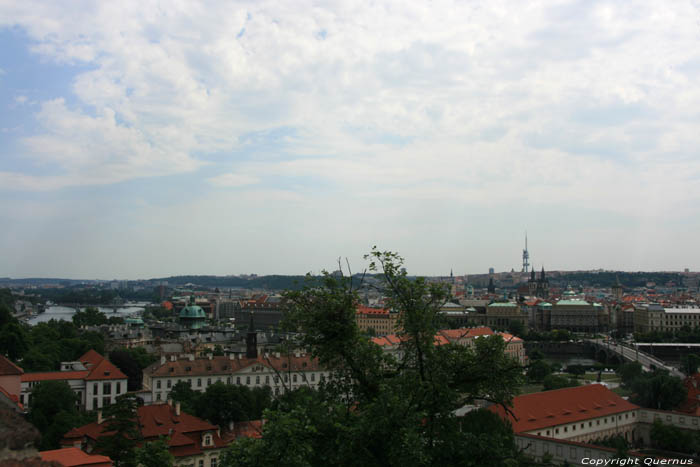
[192,311]
[133,321]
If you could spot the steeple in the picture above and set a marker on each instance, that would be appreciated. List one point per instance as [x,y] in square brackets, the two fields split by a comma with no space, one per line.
[251,340]
[542,274]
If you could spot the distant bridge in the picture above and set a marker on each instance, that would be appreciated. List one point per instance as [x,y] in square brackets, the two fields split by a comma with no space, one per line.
[611,350]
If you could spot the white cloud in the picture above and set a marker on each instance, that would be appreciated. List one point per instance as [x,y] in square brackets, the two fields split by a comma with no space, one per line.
[587,105]
[233,180]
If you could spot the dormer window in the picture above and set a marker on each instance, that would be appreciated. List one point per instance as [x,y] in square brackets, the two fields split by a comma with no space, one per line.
[188,368]
[208,440]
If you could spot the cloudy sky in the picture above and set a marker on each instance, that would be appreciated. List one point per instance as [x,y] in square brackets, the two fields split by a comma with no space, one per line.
[142,139]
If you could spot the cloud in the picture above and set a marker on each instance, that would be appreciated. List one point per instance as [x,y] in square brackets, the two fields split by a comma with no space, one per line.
[233,180]
[575,101]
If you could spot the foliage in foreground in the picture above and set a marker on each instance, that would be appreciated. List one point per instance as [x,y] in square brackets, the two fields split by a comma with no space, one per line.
[380,410]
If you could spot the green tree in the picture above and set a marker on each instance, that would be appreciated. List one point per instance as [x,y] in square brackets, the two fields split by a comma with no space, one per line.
[538,370]
[154,454]
[54,411]
[90,316]
[376,409]
[658,390]
[577,370]
[183,393]
[13,341]
[129,366]
[223,403]
[670,438]
[124,434]
[690,363]
[558,382]
[517,328]
[630,371]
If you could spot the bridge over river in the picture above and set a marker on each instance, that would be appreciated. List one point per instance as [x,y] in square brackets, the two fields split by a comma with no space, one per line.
[632,352]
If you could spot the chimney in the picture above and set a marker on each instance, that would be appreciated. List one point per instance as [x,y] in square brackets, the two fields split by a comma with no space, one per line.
[191,357]
[231,425]
[210,356]
[173,358]
[231,356]
[277,355]
[177,409]
[99,417]
[239,356]
[162,359]
[170,402]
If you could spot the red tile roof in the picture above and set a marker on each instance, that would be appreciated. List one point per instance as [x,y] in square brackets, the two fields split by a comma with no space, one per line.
[185,430]
[54,375]
[98,368]
[393,339]
[225,365]
[365,310]
[74,457]
[568,405]
[7,368]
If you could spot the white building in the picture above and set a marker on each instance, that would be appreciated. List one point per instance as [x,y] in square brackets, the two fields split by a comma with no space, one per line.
[94,379]
[279,372]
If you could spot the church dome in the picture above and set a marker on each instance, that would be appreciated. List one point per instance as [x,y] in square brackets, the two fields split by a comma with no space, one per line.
[192,311]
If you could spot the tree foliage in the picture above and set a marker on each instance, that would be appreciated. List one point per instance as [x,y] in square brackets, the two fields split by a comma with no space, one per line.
[124,434]
[154,454]
[54,411]
[658,390]
[671,438]
[92,316]
[558,382]
[377,409]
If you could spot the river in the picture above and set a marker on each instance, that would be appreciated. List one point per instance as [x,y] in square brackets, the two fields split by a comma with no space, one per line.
[66,313]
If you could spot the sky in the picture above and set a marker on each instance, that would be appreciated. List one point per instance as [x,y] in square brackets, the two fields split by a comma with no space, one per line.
[146,139]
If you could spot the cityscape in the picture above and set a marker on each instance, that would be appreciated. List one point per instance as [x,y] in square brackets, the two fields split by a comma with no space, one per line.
[352,233]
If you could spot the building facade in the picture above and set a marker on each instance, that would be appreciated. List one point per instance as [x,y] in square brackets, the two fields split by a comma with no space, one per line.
[379,321]
[93,378]
[653,317]
[278,372]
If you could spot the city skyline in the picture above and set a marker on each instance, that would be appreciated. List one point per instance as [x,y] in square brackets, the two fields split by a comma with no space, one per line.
[256,137]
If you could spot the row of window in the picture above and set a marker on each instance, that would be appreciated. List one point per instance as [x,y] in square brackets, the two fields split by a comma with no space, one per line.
[590,424]
[248,380]
[107,388]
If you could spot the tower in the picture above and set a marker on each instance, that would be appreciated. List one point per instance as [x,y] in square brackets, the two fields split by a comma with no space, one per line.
[542,285]
[526,256]
[617,288]
[251,340]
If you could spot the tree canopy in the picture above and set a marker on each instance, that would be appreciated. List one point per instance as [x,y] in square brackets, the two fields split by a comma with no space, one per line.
[377,409]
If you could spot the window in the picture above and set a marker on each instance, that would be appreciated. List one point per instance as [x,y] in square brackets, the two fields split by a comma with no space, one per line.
[228,380]
[158,384]
[119,387]
[257,379]
[106,388]
[313,377]
[294,378]
[277,379]
[597,422]
[189,381]
[201,463]
[267,379]
[247,380]
[208,381]
[207,440]
[94,402]
[105,401]
[158,396]
[582,426]
[170,384]
[199,382]
[238,380]
[286,378]
[213,462]
[94,388]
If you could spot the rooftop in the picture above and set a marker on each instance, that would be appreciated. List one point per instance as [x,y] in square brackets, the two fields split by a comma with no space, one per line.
[74,457]
[560,406]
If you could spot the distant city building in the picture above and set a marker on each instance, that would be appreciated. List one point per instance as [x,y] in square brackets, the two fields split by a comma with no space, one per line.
[192,316]
[653,317]
[380,321]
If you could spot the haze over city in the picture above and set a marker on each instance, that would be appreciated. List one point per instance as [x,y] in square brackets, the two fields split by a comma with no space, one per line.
[140,139]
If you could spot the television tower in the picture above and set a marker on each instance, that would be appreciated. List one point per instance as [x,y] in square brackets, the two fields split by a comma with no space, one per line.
[526,256]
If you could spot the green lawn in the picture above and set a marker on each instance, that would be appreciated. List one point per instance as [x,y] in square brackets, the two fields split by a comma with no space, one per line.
[605,377]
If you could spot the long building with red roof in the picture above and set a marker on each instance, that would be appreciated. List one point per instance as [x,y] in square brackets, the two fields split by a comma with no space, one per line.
[191,440]
[96,381]
[583,414]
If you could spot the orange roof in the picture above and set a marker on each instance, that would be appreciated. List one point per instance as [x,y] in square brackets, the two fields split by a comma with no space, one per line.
[158,420]
[54,375]
[74,457]
[365,310]
[98,368]
[105,370]
[568,405]
[225,365]
[393,339]
[456,334]
[509,337]
[7,368]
